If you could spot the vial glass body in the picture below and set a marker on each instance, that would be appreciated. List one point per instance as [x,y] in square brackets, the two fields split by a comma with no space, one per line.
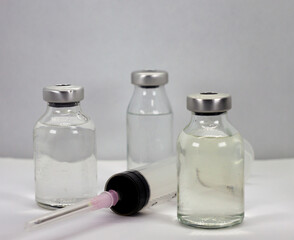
[210,173]
[149,127]
[65,157]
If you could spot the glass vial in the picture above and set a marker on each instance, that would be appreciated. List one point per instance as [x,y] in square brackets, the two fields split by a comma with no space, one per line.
[210,165]
[64,149]
[149,120]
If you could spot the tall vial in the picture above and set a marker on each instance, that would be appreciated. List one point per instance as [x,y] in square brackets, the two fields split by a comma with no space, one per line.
[210,165]
[149,120]
[64,149]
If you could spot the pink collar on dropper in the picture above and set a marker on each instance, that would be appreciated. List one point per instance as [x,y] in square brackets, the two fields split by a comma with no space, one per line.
[105,199]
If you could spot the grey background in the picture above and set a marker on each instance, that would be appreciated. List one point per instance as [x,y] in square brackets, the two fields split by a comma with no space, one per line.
[241,47]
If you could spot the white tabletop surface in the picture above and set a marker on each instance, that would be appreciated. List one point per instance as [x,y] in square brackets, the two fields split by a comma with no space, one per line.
[269,209]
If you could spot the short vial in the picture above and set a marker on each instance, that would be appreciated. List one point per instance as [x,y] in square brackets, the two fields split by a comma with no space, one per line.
[210,165]
[64,149]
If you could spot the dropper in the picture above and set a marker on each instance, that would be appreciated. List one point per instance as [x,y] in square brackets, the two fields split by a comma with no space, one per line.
[105,199]
[126,193]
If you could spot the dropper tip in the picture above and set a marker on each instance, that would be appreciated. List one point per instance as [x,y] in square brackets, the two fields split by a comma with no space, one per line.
[29,226]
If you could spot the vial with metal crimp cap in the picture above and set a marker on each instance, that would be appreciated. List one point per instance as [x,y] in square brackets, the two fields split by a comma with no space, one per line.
[210,165]
[149,120]
[64,149]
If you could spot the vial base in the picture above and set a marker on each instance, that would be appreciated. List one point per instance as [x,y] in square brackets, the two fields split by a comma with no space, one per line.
[211,222]
[61,203]
[49,207]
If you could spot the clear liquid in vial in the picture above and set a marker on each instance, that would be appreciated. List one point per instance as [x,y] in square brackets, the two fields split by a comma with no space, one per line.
[210,181]
[150,138]
[65,165]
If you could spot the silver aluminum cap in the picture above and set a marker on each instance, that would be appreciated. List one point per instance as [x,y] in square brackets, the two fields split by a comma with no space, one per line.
[63,93]
[209,102]
[149,78]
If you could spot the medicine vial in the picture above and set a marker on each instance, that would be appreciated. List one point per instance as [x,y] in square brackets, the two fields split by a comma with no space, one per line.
[149,120]
[210,165]
[64,149]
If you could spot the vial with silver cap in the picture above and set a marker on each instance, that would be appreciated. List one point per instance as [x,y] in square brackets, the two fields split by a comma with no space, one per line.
[149,120]
[210,165]
[64,149]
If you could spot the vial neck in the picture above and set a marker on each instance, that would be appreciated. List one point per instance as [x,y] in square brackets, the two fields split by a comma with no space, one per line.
[63,105]
[209,119]
[152,91]
[64,108]
[210,125]
[216,124]
[149,101]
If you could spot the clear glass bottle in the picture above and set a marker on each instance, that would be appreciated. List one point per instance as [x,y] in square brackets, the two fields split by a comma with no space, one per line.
[149,120]
[210,165]
[64,149]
